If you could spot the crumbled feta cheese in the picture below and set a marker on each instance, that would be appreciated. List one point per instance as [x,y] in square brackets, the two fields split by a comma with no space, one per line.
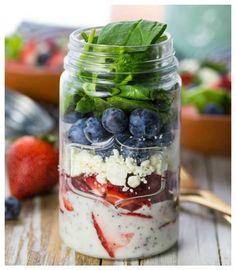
[125,188]
[157,161]
[116,153]
[101,178]
[117,173]
[115,168]
[144,180]
[134,181]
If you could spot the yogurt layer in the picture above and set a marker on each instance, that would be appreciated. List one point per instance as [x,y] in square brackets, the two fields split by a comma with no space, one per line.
[96,229]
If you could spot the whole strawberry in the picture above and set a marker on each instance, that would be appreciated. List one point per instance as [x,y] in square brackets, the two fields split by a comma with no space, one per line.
[32,166]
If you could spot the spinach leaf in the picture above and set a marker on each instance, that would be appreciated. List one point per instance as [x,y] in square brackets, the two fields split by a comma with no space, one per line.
[163,99]
[131,33]
[71,95]
[85,105]
[68,101]
[169,117]
[128,78]
[129,105]
[89,88]
[161,39]
[84,36]
[91,105]
[135,92]
[100,106]
[127,65]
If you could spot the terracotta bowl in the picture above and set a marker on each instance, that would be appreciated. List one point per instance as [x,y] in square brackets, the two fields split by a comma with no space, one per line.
[206,134]
[39,84]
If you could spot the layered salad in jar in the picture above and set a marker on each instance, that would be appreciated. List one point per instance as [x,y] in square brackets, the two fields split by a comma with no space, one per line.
[119,160]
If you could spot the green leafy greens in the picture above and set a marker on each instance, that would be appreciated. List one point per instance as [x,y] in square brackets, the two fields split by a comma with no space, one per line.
[131,33]
[13,47]
[200,97]
[118,55]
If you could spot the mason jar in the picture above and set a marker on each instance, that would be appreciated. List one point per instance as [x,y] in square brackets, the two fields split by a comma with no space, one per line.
[119,148]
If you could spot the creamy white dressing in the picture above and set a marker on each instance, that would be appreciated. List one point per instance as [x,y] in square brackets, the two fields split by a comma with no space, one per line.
[147,236]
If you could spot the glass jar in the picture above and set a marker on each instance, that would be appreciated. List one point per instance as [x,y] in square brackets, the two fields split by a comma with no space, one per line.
[119,149]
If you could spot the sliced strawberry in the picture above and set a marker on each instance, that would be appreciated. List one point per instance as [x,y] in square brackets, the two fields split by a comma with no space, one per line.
[136,215]
[154,182]
[134,204]
[95,186]
[67,204]
[110,245]
[63,194]
[167,223]
[88,184]
[78,183]
[115,194]
[152,185]
[102,237]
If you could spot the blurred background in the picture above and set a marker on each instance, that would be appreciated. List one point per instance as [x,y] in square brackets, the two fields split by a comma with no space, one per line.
[36,43]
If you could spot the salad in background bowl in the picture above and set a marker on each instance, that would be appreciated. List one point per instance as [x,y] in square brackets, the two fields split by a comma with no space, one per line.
[34,60]
[206,106]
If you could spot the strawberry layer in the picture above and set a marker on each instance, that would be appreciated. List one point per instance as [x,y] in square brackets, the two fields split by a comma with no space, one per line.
[125,199]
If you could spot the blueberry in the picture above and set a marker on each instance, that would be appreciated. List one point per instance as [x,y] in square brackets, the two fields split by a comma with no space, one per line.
[165,139]
[123,136]
[43,58]
[213,108]
[12,208]
[162,140]
[144,123]
[114,120]
[136,149]
[106,151]
[166,128]
[94,131]
[72,117]
[76,132]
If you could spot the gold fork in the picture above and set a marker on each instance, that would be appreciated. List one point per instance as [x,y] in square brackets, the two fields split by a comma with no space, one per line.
[191,192]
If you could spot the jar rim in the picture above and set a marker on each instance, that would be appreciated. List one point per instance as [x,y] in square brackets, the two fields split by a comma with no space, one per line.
[76,38]
[92,59]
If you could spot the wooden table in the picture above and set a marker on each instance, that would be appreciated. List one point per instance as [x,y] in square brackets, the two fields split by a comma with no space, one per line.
[204,238]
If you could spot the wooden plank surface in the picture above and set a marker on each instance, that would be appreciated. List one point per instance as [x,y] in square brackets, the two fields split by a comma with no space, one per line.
[220,183]
[197,233]
[204,238]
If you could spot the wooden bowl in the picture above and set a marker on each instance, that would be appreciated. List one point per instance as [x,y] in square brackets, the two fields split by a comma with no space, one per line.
[39,84]
[206,134]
